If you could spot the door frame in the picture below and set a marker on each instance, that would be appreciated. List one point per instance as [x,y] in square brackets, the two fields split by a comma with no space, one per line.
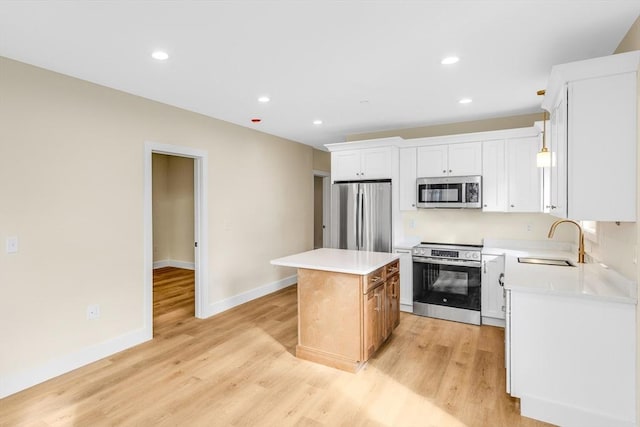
[200,171]
[326,206]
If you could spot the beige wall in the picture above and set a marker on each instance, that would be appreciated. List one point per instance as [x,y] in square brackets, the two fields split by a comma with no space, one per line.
[71,185]
[498,123]
[173,216]
[321,160]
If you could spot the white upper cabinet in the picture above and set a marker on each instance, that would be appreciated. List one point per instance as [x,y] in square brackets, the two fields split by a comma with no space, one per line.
[370,163]
[524,177]
[594,108]
[450,160]
[511,181]
[407,178]
[494,176]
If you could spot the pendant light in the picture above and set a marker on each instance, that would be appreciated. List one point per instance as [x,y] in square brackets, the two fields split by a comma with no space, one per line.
[543,158]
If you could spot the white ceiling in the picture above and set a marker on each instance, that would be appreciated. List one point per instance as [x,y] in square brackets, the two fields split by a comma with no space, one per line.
[359,66]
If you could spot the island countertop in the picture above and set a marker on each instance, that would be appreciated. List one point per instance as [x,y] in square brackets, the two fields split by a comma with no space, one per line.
[338,260]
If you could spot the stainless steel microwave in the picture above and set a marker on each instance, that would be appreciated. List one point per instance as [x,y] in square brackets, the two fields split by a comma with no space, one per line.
[450,192]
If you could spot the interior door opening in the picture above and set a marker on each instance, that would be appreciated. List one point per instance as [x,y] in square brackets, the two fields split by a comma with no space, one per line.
[175,233]
[173,206]
[321,209]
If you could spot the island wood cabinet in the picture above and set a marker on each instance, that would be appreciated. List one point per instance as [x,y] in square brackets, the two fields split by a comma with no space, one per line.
[450,160]
[343,319]
[370,163]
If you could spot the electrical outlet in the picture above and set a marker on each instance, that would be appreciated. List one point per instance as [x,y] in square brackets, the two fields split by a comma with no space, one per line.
[12,245]
[93,311]
[528,227]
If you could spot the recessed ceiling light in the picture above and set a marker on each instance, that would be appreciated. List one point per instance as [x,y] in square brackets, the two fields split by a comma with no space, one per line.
[465,101]
[160,55]
[317,122]
[450,60]
[264,99]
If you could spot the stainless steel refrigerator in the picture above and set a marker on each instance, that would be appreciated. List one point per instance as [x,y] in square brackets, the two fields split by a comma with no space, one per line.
[361,216]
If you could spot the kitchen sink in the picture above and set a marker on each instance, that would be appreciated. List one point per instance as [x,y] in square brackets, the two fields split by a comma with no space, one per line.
[546,261]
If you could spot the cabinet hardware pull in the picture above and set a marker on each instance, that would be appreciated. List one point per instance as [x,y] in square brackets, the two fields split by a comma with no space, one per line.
[444,171]
[484,267]
[501,279]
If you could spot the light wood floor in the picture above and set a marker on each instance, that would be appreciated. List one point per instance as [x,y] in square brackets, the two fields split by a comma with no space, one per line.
[239,369]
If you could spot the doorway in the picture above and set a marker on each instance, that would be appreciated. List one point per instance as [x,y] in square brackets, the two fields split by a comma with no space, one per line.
[321,209]
[173,241]
[158,251]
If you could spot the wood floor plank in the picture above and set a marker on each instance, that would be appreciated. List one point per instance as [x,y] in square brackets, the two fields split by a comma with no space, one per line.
[238,369]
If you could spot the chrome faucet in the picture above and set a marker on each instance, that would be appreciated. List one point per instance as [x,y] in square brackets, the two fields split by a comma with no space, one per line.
[580,243]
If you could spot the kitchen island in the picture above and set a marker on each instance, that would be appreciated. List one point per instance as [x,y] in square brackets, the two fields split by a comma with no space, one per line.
[348,304]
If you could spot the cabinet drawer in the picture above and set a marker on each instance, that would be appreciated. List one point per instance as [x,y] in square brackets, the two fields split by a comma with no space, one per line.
[393,267]
[375,279]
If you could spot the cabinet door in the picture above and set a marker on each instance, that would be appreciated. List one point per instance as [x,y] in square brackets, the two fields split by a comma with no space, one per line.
[408,174]
[373,320]
[345,165]
[375,163]
[602,143]
[392,311]
[558,146]
[406,279]
[465,159]
[524,185]
[432,161]
[494,179]
[493,303]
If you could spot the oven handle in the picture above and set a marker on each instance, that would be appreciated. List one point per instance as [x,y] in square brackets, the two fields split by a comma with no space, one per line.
[462,262]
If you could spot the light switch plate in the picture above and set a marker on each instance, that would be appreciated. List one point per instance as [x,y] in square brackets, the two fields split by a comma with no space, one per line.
[12,245]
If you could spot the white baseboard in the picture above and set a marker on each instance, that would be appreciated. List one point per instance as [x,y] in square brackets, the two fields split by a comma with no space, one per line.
[407,308]
[15,382]
[174,263]
[493,322]
[226,304]
[566,415]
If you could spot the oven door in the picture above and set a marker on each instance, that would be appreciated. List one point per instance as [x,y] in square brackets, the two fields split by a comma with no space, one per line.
[450,283]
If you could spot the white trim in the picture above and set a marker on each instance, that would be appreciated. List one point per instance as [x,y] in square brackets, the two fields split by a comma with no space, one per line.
[321,173]
[226,304]
[174,263]
[561,414]
[14,382]
[200,171]
[491,321]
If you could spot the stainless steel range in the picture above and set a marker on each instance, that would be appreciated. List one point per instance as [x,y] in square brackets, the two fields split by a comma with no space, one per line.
[446,281]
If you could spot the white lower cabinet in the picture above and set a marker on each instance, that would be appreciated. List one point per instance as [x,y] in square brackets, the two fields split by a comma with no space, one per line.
[572,360]
[493,304]
[406,279]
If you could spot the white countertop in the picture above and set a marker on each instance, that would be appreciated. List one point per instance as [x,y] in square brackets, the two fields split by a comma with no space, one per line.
[591,280]
[338,260]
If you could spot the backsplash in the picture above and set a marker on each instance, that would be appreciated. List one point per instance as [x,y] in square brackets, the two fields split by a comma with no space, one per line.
[616,247]
[471,226]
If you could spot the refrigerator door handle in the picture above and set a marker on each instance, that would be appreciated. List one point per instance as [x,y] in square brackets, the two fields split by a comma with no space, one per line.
[361,209]
[358,222]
